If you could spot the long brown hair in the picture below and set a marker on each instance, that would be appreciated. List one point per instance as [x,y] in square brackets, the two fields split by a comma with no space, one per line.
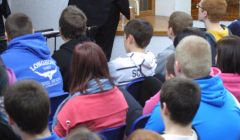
[88,62]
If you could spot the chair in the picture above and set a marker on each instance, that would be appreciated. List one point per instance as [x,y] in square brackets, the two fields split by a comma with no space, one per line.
[140,122]
[55,102]
[116,133]
[143,89]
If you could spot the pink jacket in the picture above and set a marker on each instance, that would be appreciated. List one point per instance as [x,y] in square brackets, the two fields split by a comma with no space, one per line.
[95,111]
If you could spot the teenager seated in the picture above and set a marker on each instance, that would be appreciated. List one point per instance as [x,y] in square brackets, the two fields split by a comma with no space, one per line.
[27,105]
[137,62]
[95,101]
[29,56]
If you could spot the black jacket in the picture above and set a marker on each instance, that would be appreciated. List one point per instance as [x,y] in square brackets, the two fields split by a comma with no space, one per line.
[4,11]
[63,58]
[97,11]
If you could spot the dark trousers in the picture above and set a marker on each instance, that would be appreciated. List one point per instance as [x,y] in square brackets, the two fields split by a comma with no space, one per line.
[104,35]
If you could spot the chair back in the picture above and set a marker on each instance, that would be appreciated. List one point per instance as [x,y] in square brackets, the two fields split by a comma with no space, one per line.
[134,87]
[140,122]
[116,133]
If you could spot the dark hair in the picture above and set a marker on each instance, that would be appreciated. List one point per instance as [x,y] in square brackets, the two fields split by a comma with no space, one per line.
[179,20]
[141,30]
[170,64]
[88,62]
[18,24]
[187,32]
[82,133]
[182,97]
[72,22]
[27,103]
[228,58]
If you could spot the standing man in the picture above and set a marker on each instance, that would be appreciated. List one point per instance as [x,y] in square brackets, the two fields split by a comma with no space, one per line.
[103,17]
[4,11]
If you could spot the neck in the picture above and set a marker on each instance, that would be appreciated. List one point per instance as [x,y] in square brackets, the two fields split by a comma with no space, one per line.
[176,129]
[136,49]
[213,25]
[44,134]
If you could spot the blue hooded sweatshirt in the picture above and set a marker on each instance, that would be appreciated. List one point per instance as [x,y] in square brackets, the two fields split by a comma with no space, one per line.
[29,57]
[218,117]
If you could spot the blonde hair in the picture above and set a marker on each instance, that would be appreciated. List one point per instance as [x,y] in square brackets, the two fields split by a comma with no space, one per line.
[193,54]
[141,134]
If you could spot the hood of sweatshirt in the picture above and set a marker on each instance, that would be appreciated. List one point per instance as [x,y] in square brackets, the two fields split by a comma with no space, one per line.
[146,61]
[213,91]
[34,43]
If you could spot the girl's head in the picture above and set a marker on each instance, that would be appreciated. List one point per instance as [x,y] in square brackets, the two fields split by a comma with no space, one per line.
[228,54]
[88,62]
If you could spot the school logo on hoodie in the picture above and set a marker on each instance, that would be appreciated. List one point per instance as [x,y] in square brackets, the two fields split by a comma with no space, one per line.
[46,69]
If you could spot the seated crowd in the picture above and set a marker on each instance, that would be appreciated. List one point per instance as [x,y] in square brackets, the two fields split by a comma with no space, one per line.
[189,91]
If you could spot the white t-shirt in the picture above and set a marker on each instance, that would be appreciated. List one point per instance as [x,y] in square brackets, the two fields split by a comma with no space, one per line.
[180,137]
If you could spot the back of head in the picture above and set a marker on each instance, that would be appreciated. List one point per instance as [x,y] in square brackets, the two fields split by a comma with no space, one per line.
[88,62]
[216,9]
[187,32]
[193,56]
[142,134]
[141,30]
[228,58]
[179,20]
[18,24]
[81,133]
[27,104]
[72,23]
[182,99]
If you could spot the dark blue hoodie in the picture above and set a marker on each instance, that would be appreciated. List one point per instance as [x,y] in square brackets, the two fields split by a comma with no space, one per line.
[218,117]
[29,57]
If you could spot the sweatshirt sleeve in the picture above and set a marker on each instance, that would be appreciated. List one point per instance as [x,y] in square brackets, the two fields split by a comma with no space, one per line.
[151,103]
[59,130]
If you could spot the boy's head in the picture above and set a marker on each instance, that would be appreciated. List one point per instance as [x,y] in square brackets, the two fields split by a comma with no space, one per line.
[82,133]
[72,23]
[18,24]
[138,33]
[177,22]
[27,105]
[180,99]
[142,134]
[213,10]
[193,57]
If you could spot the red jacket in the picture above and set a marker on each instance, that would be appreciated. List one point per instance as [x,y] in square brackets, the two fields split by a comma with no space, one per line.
[95,111]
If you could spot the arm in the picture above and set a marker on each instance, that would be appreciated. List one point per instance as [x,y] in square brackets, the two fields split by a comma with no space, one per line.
[5,10]
[123,6]
[151,103]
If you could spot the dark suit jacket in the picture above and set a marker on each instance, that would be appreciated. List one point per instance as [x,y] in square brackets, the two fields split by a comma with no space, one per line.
[97,11]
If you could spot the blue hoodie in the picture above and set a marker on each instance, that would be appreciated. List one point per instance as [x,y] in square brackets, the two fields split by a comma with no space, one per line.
[29,57]
[218,117]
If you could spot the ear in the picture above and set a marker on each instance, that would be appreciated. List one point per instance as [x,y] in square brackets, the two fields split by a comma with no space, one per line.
[10,121]
[177,68]
[170,33]
[164,109]
[130,39]
[205,14]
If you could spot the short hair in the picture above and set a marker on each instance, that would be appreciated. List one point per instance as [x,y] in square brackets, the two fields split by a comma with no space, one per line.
[18,24]
[216,9]
[88,62]
[187,32]
[228,54]
[27,103]
[182,97]
[141,30]
[73,22]
[179,20]
[170,64]
[194,56]
[82,133]
[142,134]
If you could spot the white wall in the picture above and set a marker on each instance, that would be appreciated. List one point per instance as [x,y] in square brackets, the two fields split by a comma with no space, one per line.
[166,7]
